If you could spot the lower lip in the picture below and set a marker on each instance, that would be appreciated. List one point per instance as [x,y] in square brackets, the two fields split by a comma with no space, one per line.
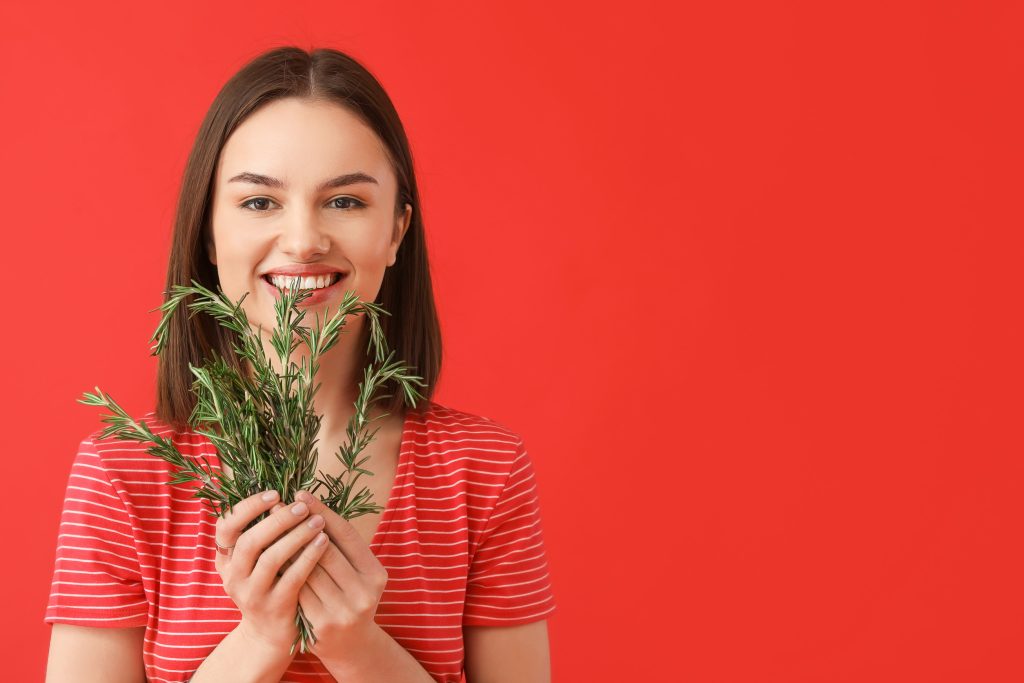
[318,296]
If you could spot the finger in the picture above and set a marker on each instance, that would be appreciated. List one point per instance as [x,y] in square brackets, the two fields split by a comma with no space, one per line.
[311,603]
[295,575]
[334,592]
[334,573]
[229,527]
[344,535]
[264,550]
[288,562]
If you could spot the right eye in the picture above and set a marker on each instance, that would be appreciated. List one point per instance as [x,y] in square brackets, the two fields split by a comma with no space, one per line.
[248,203]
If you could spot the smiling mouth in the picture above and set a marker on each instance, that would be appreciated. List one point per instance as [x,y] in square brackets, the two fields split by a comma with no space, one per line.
[295,282]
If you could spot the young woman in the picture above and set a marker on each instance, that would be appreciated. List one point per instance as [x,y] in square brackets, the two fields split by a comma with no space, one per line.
[302,168]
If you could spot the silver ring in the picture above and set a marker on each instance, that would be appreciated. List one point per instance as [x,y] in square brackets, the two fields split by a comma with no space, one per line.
[221,549]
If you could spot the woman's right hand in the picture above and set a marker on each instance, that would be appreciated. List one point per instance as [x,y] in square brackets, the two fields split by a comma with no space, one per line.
[268,602]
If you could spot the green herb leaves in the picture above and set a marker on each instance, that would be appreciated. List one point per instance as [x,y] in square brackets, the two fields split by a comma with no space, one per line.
[262,421]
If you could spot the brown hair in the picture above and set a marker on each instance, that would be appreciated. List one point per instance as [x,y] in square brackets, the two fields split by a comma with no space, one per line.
[412,329]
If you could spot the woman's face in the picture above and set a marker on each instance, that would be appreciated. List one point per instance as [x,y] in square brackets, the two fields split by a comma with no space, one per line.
[302,184]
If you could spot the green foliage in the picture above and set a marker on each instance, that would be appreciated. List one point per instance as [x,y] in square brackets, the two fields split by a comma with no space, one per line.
[263,424]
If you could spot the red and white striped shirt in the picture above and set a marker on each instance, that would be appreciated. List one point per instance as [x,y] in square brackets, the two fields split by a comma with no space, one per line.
[460,537]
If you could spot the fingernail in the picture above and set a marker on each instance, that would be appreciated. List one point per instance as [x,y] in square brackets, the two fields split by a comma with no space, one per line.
[299,509]
[269,496]
[304,496]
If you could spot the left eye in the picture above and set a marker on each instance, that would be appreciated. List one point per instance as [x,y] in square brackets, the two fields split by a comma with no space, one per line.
[355,202]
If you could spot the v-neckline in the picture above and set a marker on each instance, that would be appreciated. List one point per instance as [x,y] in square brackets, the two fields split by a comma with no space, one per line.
[403,457]
[396,485]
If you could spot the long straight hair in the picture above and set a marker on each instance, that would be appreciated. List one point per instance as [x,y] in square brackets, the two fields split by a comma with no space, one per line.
[412,329]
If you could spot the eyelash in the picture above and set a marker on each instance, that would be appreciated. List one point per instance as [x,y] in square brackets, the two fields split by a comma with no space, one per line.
[358,204]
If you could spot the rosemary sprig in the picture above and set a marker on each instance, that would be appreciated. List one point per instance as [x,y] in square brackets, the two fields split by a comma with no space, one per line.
[263,423]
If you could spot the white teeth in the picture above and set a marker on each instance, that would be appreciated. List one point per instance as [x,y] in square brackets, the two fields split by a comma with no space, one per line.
[295,282]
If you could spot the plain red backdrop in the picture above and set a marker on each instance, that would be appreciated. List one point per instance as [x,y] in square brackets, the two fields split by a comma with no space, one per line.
[745,276]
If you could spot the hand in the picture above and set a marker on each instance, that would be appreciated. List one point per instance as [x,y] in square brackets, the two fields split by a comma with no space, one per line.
[341,594]
[268,607]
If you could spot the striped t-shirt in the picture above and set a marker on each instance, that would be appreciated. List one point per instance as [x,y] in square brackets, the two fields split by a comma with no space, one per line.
[460,538]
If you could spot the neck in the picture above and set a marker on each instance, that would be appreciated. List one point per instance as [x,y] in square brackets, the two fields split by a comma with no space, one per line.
[339,372]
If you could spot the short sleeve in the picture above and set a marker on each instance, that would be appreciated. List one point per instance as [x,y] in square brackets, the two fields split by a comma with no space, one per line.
[509,581]
[96,578]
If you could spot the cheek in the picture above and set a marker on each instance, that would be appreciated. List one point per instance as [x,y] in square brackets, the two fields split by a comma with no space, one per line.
[236,272]
[238,255]
[369,253]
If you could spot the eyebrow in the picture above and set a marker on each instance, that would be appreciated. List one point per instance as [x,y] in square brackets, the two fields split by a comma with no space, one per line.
[337,181]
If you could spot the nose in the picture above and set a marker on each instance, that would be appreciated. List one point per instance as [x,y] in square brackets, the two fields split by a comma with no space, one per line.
[302,239]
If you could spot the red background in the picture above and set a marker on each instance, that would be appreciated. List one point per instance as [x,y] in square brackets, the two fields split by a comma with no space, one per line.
[745,276]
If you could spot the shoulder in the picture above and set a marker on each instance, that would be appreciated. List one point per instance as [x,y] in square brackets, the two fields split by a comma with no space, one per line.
[474,448]
[160,429]
[479,433]
[128,462]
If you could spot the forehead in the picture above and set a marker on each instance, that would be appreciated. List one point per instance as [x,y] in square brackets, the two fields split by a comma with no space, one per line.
[301,142]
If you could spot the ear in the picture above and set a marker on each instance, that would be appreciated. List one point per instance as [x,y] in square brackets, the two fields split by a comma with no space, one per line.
[401,227]
[211,252]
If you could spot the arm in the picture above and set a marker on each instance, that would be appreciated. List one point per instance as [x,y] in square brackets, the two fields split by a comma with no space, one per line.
[382,659]
[91,654]
[243,659]
[97,606]
[340,599]
[507,654]
[508,594]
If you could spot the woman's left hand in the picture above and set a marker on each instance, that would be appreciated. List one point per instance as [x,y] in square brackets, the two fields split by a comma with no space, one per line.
[340,596]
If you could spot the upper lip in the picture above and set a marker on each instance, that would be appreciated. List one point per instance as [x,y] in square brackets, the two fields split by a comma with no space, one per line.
[307,270]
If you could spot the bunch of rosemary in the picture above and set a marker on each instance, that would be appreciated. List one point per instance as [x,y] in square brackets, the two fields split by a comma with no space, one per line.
[263,424]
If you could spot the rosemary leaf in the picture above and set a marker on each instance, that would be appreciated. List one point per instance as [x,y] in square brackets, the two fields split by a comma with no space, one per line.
[262,423]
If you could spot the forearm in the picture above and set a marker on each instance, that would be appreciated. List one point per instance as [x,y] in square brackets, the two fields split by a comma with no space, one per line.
[239,659]
[383,660]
